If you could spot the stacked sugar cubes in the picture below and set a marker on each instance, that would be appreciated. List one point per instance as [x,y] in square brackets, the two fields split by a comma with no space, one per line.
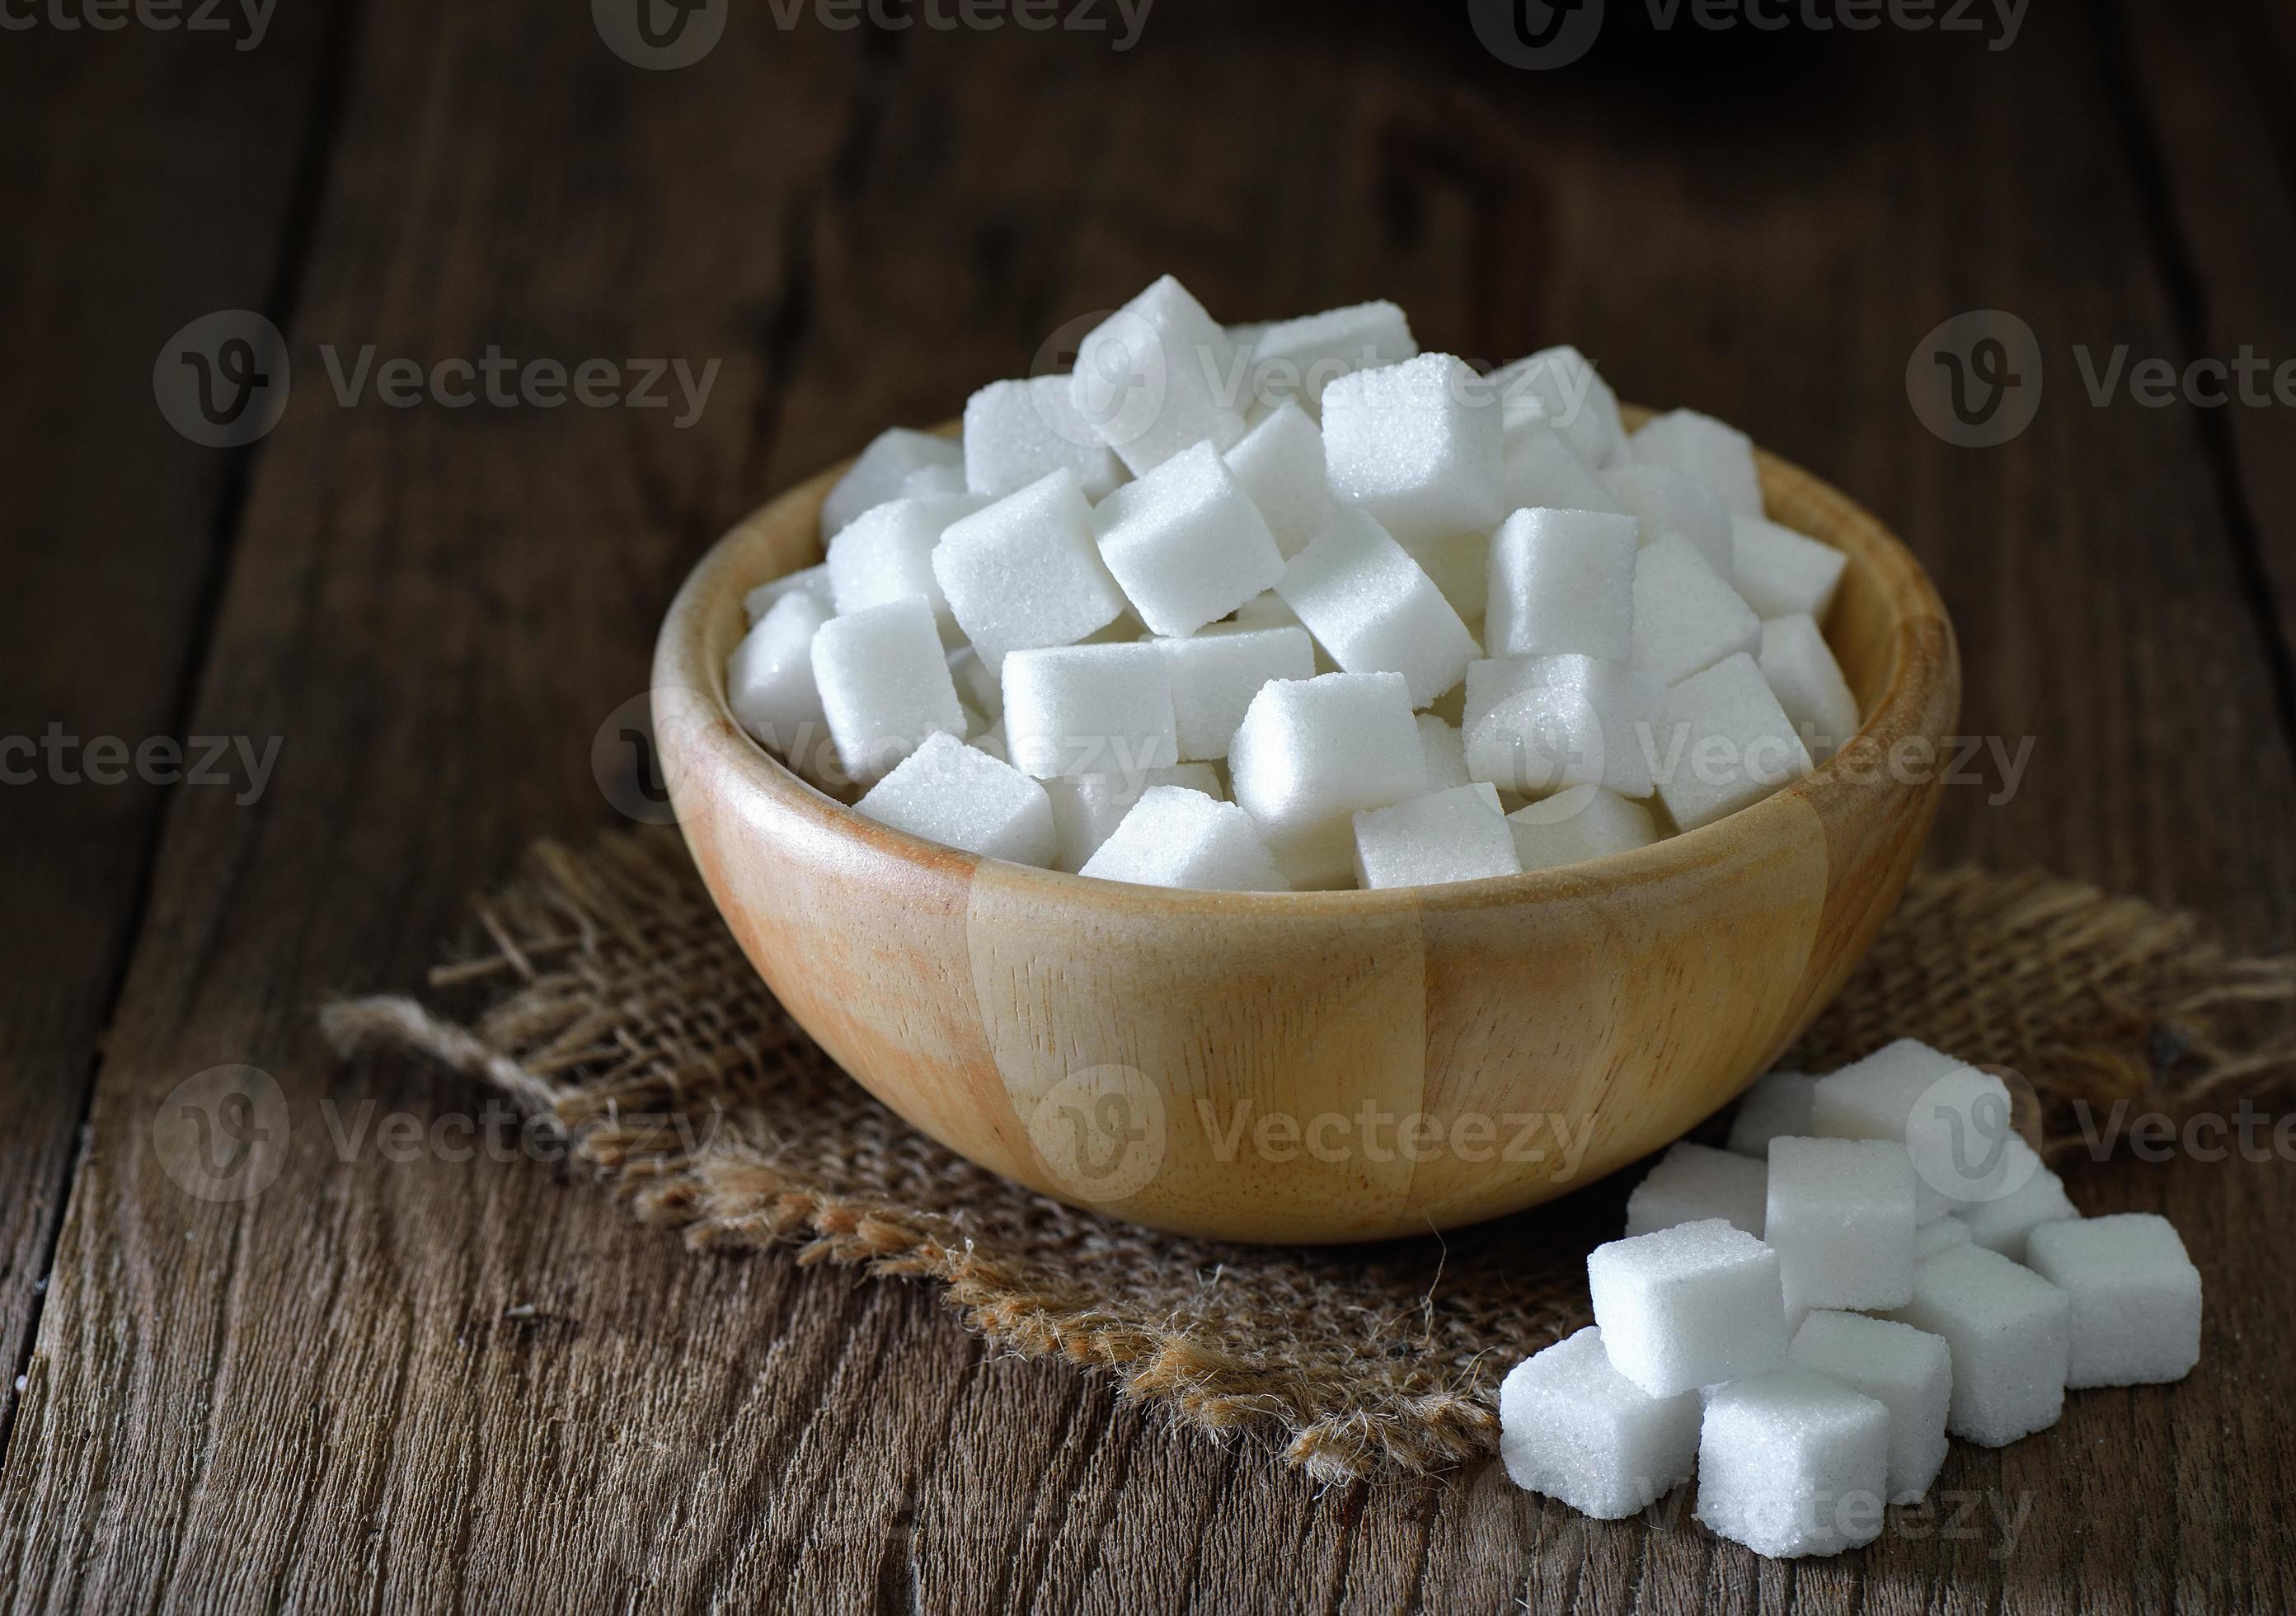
[1297,606]
[1801,1322]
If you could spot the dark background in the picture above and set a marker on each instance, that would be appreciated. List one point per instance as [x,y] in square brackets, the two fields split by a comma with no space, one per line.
[433,1383]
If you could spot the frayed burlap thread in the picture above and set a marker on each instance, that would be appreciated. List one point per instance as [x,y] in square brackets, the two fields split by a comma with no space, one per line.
[611,998]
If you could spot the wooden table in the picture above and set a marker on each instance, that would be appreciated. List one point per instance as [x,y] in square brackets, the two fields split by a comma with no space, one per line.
[439,1382]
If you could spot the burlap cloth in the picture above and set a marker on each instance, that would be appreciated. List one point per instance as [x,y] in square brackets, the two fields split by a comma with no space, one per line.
[608,995]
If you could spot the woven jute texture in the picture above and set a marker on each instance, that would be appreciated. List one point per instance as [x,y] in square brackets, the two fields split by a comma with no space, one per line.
[606,995]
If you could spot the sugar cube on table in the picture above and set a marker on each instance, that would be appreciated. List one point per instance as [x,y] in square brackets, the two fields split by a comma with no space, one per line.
[1025,571]
[1802,673]
[1778,1104]
[1298,359]
[1718,456]
[952,793]
[1086,808]
[879,471]
[1417,446]
[1279,465]
[1311,754]
[1793,1462]
[1953,1120]
[1841,1217]
[1185,544]
[1664,501]
[1215,673]
[1561,386]
[1444,750]
[1686,618]
[2134,1297]
[2028,1196]
[1689,1305]
[1723,743]
[1174,837]
[1909,1371]
[1781,572]
[2010,1334]
[1562,581]
[886,553]
[1459,834]
[1578,824]
[1573,1428]
[885,686]
[769,680]
[811,580]
[1019,432]
[1937,1236]
[1693,1183]
[1158,376]
[1541,471]
[1375,610]
[1089,710]
[1536,724]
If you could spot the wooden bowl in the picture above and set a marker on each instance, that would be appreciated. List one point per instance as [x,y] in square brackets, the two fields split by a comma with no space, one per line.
[1323,1066]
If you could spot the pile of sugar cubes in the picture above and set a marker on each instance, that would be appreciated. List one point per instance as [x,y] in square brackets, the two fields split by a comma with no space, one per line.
[1296,606]
[1876,1264]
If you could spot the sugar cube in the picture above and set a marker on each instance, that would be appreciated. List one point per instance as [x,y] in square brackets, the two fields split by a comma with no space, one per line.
[1718,456]
[1215,673]
[2134,1298]
[1723,743]
[1311,754]
[1686,618]
[1174,837]
[886,553]
[1909,1371]
[1781,572]
[1089,710]
[1665,503]
[2009,1330]
[1086,808]
[1542,471]
[1444,750]
[1185,544]
[1562,581]
[1540,724]
[1561,386]
[1937,1236]
[1777,1105]
[1693,1183]
[1417,446]
[769,681]
[1298,359]
[1375,610]
[1279,465]
[1793,1463]
[879,471]
[1025,571]
[1689,1305]
[1460,834]
[930,482]
[811,580]
[2028,1196]
[1953,1118]
[1802,673]
[1575,1428]
[1459,565]
[980,686]
[1157,377]
[884,684]
[1267,609]
[1020,433]
[1578,824]
[949,792]
[1841,1217]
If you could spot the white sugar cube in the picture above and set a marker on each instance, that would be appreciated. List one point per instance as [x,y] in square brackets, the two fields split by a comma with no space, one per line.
[1279,465]
[1267,609]
[1723,743]
[1020,433]
[1841,1217]
[1158,376]
[1417,446]
[886,554]
[2010,1334]
[2028,1196]
[880,472]
[1185,544]
[949,792]
[1562,581]
[1298,359]
[1937,1236]
[1025,571]
[1780,573]
[884,684]
[1459,566]
[1689,1305]
[1540,724]
[2134,1298]
[769,680]
[1460,834]
[1686,619]
[1575,1428]
[1446,751]
[1579,824]
[1953,1118]
[1311,754]
[1375,610]
[980,686]
[1801,672]
[1664,503]
[1174,837]
[1718,456]
[1215,673]
[1561,386]
[1777,1105]
[1089,710]
[1542,471]
[811,580]
[932,481]
[1693,1183]
[1086,808]
[1791,1463]
[1909,1371]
